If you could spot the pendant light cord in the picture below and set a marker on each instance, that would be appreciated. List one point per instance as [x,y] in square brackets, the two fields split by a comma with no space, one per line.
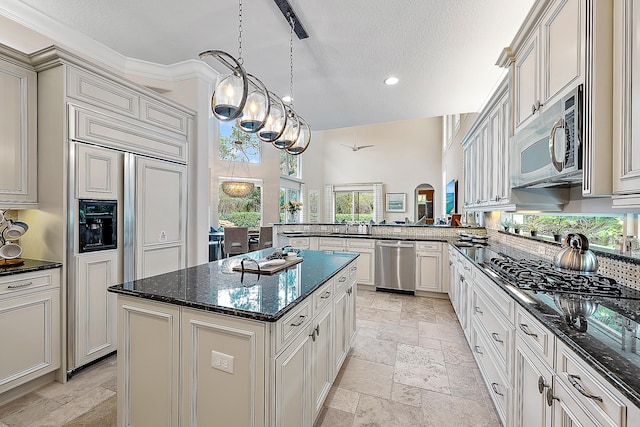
[240,60]
[292,25]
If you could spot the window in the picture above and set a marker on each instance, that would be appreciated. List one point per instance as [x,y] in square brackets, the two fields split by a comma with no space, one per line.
[354,206]
[289,165]
[248,151]
[241,212]
[287,195]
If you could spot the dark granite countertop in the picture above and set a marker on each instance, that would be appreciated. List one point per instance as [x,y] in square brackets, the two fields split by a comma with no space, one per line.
[604,352]
[216,287]
[29,265]
[370,237]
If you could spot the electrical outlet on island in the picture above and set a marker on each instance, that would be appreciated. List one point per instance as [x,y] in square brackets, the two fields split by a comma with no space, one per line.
[222,361]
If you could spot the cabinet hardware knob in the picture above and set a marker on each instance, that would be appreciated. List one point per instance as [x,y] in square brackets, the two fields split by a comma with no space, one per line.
[313,335]
[477,310]
[494,387]
[496,337]
[573,379]
[300,321]
[541,384]
[317,329]
[525,328]
[326,295]
[350,291]
[342,279]
[21,285]
[477,349]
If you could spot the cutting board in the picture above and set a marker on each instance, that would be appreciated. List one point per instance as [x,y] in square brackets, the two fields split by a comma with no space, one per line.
[250,267]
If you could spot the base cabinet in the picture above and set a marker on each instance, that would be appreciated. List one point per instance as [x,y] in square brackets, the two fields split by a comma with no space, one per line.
[532,380]
[179,366]
[430,271]
[29,327]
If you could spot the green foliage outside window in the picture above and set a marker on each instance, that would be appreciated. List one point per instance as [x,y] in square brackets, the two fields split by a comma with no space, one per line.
[354,206]
[248,151]
[240,212]
[600,230]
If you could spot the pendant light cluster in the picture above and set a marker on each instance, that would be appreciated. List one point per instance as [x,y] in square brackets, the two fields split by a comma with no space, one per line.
[243,97]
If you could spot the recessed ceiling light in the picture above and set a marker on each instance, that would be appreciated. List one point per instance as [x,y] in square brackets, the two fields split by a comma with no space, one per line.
[390,81]
[287,99]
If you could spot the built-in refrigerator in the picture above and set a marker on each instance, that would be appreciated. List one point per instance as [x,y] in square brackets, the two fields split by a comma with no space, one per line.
[150,198]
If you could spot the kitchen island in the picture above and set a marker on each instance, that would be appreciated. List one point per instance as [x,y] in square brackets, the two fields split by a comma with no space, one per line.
[210,344]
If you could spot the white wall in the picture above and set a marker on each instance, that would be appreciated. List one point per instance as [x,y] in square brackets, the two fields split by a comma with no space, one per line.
[405,155]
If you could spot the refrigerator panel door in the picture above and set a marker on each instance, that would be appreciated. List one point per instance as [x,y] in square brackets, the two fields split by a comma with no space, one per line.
[160,216]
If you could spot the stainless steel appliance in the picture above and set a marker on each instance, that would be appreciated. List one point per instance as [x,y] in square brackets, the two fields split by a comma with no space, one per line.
[395,266]
[548,151]
[97,225]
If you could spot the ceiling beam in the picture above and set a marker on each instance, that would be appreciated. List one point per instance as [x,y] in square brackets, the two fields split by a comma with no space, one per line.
[286,8]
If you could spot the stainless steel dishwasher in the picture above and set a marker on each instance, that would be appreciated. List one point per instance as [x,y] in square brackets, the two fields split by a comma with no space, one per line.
[395,266]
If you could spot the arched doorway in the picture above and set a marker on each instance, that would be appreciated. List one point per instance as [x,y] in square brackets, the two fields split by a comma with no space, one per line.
[424,197]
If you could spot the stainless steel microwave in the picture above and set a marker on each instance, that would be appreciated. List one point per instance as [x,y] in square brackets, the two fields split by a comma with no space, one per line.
[548,151]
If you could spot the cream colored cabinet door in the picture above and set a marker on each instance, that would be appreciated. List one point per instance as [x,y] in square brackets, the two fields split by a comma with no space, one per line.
[95,320]
[18,144]
[209,391]
[341,309]
[99,174]
[533,378]
[351,327]
[160,217]
[526,80]
[366,261]
[292,370]
[149,348]
[322,358]
[29,327]
[428,271]
[562,35]
[503,151]
[626,79]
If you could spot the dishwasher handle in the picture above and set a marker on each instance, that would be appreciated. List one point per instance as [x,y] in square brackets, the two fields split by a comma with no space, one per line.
[394,245]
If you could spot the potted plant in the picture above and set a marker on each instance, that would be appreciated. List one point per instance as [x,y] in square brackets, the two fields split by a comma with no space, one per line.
[533,225]
[556,230]
[506,223]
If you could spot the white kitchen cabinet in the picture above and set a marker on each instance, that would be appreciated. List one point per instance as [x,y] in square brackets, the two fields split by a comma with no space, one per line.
[550,60]
[430,267]
[29,326]
[322,363]
[94,321]
[486,155]
[149,343]
[366,260]
[532,380]
[18,121]
[626,85]
[99,173]
[345,317]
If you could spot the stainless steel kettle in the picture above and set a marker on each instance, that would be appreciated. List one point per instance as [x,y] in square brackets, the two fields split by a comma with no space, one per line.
[576,255]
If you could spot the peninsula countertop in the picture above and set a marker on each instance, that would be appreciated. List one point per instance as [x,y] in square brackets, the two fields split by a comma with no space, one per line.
[218,288]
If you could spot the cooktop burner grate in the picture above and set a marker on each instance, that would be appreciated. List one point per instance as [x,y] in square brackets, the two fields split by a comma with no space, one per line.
[541,276]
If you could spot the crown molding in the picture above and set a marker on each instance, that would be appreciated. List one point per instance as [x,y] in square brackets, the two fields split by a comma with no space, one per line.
[87,48]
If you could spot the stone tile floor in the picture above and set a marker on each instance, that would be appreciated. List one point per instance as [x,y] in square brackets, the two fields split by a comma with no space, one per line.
[410,366]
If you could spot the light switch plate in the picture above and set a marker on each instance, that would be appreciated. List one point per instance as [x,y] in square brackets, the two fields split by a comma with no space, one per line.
[222,361]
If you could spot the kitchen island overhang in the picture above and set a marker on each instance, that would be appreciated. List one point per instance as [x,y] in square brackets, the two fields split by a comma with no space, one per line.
[211,339]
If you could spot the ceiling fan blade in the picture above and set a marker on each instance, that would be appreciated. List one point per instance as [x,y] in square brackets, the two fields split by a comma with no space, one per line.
[363,146]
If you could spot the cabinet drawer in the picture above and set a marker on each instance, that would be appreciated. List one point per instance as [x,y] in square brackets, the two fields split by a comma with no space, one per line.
[292,323]
[103,93]
[333,242]
[498,386]
[428,246]
[494,328]
[344,277]
[502,301]
[28,281]
[299,242]
[536,336]
[605,405]
[361,244]
[322,296]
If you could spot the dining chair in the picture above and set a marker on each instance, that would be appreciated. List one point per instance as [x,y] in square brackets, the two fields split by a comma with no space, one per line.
[236,240]
[266,238]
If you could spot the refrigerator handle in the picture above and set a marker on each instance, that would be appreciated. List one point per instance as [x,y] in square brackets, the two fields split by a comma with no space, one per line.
[129,219]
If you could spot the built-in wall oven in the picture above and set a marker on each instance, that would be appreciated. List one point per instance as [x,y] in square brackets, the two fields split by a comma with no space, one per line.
[97,227]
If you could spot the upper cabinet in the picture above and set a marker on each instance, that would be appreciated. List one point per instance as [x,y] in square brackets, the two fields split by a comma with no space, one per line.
[626,107]
[550,60]
[18,139]
[560,45]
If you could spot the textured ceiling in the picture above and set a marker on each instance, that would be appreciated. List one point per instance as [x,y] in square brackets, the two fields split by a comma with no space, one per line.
[443,51]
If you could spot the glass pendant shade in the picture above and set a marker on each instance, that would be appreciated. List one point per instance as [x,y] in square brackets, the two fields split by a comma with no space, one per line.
[290,133]
[230,94]
[303,140]
[237,188]
[256,108]
[276,120]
